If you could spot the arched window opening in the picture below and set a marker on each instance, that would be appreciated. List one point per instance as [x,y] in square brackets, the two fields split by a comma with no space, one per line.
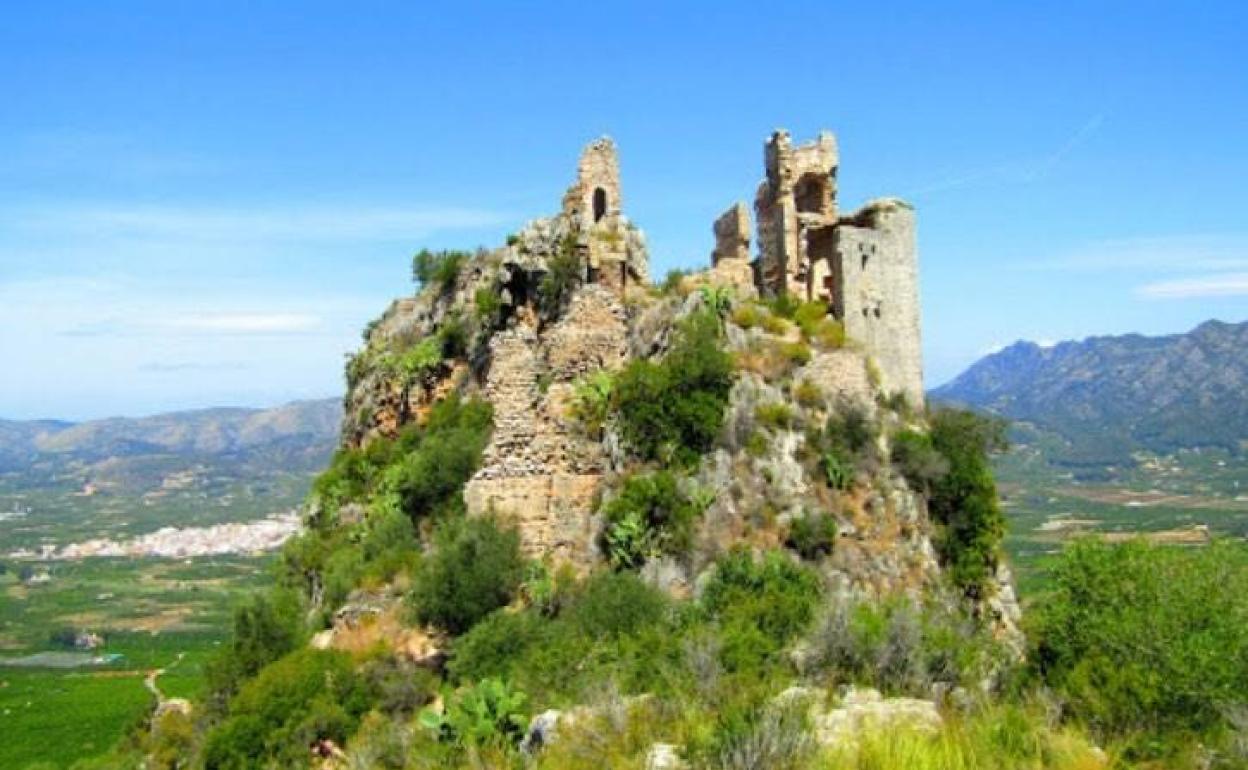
[810,193]
[600,203]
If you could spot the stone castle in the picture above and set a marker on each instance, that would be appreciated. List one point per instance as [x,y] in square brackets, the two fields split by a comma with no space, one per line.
[862,264]
[546,473]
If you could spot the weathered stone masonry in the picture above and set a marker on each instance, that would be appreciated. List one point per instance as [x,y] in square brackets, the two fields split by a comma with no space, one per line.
[864,265]
[539,469]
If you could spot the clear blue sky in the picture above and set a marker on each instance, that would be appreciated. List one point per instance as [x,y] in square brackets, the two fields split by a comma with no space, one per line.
[202,204]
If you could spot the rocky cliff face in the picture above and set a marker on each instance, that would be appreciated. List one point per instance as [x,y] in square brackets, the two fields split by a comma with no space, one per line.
[544,470]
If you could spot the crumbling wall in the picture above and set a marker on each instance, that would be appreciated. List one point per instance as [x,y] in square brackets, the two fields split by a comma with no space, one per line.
[730,260]
[540,471]
[613,250]
[798,194]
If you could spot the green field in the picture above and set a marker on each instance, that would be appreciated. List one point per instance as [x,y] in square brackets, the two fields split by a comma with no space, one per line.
[1168,498]
[154,613]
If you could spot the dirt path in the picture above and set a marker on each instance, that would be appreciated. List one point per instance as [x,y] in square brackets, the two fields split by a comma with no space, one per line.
[149,681]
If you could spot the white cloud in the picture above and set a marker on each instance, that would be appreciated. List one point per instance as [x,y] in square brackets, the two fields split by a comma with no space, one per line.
[185,224]
[1216,285]
[245,323]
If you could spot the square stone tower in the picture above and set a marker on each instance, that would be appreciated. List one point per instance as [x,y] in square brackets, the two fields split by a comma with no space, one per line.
[613,250]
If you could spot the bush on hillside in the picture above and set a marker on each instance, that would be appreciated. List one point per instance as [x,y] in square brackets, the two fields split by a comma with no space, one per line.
[307,696]
[564,274]
[438,268]
[1149,638]
[812,535]
[443,455]
[672,411]
[264,629]
[917,460]
[760,604]
[650,517]
[475,568]
[963,501]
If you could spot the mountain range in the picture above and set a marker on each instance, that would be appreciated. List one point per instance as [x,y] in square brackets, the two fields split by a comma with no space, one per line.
[1106,398]
[302,430]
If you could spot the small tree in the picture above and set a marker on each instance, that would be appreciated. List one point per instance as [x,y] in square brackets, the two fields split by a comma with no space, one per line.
[476,567]
[964,500]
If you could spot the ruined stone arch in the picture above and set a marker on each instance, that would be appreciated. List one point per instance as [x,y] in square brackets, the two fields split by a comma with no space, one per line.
[600,204]
[811,193]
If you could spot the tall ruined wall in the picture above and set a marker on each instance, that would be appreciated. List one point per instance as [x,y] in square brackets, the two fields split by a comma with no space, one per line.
[539,471]
[798,194]
[875,274]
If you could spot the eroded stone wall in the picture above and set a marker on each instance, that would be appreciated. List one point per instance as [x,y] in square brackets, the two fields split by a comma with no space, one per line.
[540,470]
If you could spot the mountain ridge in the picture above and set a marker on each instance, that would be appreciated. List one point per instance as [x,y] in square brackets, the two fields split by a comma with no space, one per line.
[1141,393]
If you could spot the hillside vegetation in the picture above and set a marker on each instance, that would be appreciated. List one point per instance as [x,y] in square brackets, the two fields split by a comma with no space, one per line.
[776,576]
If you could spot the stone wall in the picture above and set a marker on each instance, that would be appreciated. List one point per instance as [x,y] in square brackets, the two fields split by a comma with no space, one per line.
[875,272]
[540,471]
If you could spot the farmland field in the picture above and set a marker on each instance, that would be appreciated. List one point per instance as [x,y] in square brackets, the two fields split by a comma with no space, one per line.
[1183,499]
[151,613]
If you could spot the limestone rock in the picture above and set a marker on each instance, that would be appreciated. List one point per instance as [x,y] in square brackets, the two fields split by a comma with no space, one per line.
[865,710]
[664,756]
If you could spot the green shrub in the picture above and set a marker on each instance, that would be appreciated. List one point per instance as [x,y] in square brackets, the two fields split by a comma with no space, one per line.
[564,274]
[438,268]
[263,630]
[488,304]
[747,315]
[453,337]
[775,324]
[418,362]
[441,457]
[963,501]
[761,605]
[777,736]
[849,431]
[615,604]
[829,334]
[1146,638]
[808,394]
[591,401]
[813,535]
[672,281]
[673,410]
[796,353]
[784,305]
[307,696]
[838,472]
[776,415]
[807,316]
[475,568]
[917,459]
[497,645]
[650,517]
[897,646]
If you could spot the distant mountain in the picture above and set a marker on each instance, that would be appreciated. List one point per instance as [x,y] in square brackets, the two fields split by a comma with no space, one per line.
[298,429]
[1106,397]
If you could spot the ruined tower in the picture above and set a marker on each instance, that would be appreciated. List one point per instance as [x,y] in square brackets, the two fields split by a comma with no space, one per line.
[613,250]
[863,265]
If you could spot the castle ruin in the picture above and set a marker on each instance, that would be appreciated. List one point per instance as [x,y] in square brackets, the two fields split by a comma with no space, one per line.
[863,265]
[609,245]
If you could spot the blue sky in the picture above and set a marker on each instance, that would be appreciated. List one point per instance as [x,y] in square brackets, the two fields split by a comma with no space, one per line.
[202,204]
